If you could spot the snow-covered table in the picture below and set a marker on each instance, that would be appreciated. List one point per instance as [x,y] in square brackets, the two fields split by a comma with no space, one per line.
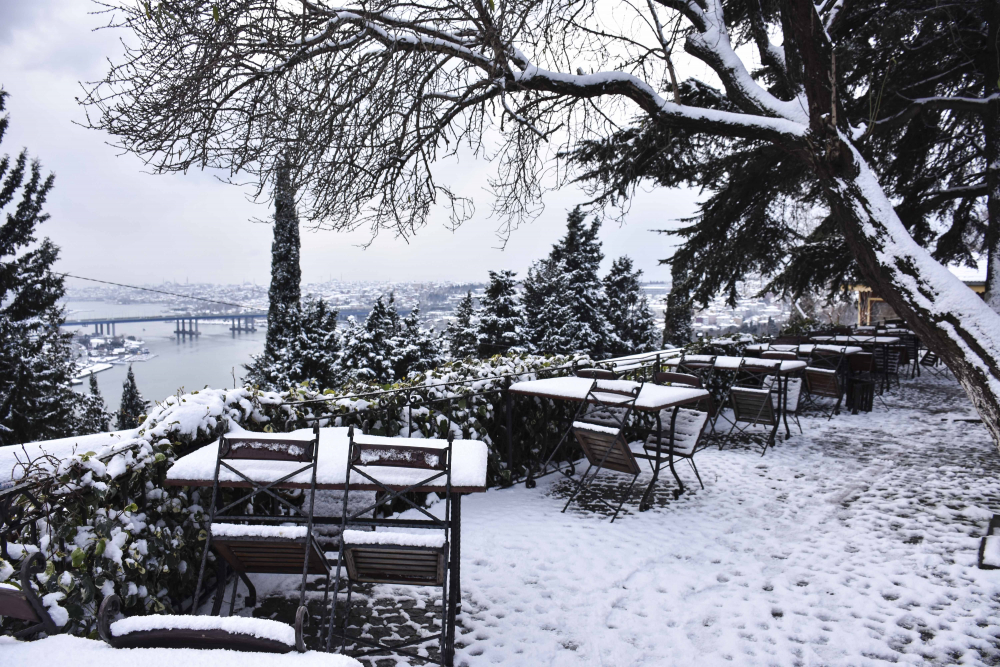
[859,340]
[805,348]
[652,398]
[198,468]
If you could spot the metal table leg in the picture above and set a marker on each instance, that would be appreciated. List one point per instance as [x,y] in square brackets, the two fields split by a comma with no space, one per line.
[783,404]
[454,583]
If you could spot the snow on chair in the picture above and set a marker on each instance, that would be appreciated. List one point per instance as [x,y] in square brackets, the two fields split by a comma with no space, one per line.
[598,429]
[750,399]
[824,383]
[23,603]
[394,557]
[681,439]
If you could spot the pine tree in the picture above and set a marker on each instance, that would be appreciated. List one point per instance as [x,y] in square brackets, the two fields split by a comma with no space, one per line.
[679,313]
[36,365]
[279,363]
[501,322]
[633,327]
[133,405]
[461,333]
[368,350]
[94,416]
[318,345]
[416,350]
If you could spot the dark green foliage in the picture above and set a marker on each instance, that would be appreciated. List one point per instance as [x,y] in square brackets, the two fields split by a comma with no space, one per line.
[633,328]
[317,346]
[94,415]
[679,314]
[133,405]
[501,323]
[461,333]
[416,350]
[368,353]
[36,365]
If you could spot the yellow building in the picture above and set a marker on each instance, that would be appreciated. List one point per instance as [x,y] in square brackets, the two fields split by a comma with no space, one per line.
[868,301]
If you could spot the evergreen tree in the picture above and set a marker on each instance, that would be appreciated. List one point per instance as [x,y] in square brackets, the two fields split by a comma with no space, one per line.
[133,405]
[279,363]
[678,317]
[461,333]
[36,399]
[633,328]
[564,301]
[368,349]
[94,416]
[501,322]
[318,345]
[416,350]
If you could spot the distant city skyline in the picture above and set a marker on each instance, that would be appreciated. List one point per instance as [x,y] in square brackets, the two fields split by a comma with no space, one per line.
[114,221]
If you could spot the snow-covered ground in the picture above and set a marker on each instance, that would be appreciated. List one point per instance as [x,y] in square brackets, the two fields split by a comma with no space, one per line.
[854,544]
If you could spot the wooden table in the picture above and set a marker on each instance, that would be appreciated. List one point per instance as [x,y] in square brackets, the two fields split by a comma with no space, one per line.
[805,348]
[652,398]
[858,340]
[469,459]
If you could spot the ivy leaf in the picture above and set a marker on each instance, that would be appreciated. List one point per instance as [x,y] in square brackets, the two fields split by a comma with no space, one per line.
[99,549]
[493,7]
[132,507]
[159,458]
[79,557]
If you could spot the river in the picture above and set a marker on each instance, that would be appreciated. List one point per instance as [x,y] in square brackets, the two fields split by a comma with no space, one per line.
[211,359]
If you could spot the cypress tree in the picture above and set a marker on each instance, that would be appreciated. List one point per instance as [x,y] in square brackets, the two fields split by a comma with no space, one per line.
[133,405]
[277,365]
[37,401]
[501,322]
[94,416]
[461,334]
[633,328]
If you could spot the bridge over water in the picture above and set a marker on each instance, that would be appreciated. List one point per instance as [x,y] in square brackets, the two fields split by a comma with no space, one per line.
[186,323]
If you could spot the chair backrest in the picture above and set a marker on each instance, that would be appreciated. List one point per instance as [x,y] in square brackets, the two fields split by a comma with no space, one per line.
[787,340]
[862,362]
[824,358]
[779,354]
[378,454]
[264,448]
[752,405]
[756,373]
[823,382]
[677,378]
[596,373]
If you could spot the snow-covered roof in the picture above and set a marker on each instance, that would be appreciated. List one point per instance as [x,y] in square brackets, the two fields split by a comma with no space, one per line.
[968,274]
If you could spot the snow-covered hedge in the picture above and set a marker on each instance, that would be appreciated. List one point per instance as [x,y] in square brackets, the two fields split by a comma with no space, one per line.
[111,526]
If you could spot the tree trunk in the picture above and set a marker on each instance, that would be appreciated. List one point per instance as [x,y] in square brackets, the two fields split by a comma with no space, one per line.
[951,319]
[991,129]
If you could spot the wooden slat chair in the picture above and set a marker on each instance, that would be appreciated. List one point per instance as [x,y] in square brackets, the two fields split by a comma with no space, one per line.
[912,346]
[599,430]
[931,362]
[24,603]
[824,358]
[252,543]
[861,382]
[824,383]
[678,435]
[750,399]
[596,373]
[887,365]
[393,557]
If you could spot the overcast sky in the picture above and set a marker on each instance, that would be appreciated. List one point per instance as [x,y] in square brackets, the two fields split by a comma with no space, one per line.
[116,222]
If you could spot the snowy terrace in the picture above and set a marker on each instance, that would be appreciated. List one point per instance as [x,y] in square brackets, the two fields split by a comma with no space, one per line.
[854,544]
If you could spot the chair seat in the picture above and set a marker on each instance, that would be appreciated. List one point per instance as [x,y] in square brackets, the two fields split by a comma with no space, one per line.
[794,393]
[236,633]
[14,604]
[687,431]
[266,549]
[390,557]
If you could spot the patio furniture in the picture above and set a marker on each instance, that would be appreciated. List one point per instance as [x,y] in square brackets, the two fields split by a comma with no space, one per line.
[887,365]
[369,555]
[989,546]
[24,603]
[253,542]
[233,633]
[793,389]
[825,383]
[599,430]
[680,440]
[751,401]
[931,362]
[596,374]
[652,398]
[861,382]
[469,460]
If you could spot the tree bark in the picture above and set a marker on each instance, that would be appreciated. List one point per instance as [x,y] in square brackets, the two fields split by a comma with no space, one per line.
[991,129]
[950,319]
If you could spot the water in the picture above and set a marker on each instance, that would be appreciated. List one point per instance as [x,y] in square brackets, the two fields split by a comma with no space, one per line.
[212,358]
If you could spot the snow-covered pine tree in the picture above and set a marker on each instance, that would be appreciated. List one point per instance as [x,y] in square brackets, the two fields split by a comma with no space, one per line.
[678,316]
[368,351]
[37,401]
[633,327]
[501,322]
[277,365]
[318,345]
[94,416]
[133,405]
[461,333]
[416,349]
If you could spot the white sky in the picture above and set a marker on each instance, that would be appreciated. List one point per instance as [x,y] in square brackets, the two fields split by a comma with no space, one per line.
[116,222]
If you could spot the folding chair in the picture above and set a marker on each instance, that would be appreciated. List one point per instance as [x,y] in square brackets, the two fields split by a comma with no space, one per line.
[887,365]
[680,440]
[861,382]
[824,382]
[253,543]
[793,385]
[599,430]
[750,398]
[393,557]
[827,359]
[596,373]
[931,362]
[25,604]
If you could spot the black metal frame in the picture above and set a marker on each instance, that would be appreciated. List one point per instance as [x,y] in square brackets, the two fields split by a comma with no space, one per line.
[386,495]
[219,511]
[755,376]
[619,413]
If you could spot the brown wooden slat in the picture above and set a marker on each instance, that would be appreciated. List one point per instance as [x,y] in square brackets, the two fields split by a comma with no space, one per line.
[14,604]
